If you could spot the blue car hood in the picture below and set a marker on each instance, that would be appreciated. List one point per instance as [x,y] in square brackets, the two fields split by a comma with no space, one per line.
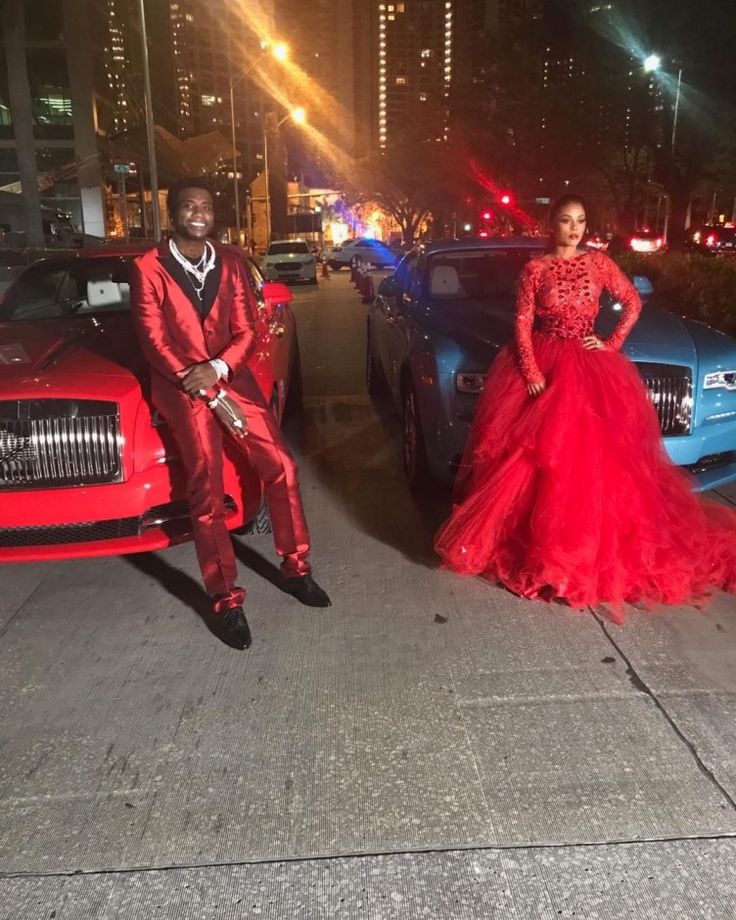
[658,335]
[480,329]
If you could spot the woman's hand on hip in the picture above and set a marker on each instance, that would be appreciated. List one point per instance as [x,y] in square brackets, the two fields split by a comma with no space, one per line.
[593,343]
[535,389]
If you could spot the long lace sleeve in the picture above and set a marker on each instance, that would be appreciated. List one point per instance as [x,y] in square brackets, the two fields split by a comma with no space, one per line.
[523,326]
[617,284]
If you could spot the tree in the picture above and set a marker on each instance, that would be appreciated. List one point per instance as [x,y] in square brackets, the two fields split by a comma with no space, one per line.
[21,110]
[413,180]
[394,181]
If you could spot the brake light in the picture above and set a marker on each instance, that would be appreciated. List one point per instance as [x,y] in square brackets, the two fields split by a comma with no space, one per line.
[640,245]
[658,242]
[711,239]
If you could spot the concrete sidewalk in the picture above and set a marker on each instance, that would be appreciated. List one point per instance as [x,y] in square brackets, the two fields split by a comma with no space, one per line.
[429,746]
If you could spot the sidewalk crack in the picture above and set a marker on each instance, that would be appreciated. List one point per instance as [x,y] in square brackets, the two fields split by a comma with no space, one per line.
[641,685]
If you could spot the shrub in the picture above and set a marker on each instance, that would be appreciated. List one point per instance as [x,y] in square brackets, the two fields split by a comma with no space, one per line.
[696,286]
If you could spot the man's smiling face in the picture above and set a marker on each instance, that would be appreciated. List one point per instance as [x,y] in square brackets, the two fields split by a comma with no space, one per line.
[195,214]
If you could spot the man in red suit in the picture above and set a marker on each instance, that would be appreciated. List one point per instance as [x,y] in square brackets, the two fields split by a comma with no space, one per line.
[194,313]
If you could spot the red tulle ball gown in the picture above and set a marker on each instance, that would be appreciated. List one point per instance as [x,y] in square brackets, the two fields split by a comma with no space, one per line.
[570,494]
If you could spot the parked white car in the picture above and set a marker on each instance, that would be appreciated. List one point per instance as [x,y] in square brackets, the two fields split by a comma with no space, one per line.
[290,260]
[368,250]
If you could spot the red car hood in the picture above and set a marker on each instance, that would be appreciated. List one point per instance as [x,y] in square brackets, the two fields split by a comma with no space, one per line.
[105,347]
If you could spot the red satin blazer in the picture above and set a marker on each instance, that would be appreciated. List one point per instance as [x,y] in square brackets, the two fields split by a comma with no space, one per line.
[173,335]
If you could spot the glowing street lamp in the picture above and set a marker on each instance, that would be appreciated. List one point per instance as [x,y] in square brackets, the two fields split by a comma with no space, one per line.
[299,116]
[652,63]
[280,51]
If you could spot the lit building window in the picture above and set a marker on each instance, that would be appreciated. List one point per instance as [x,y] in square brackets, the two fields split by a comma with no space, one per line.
[208,100]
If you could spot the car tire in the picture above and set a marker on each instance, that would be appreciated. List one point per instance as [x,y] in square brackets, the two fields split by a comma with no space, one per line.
[273,404]
[260,524]
[373,378]
[295,394]
[414,451]
[335,266]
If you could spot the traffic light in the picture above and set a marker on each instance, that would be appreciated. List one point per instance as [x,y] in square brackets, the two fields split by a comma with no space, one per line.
[505,198]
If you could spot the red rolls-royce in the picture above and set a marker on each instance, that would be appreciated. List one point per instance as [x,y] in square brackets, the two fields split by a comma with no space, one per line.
[87,467]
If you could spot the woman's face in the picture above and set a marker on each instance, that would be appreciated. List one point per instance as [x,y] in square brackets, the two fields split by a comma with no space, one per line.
[568,225]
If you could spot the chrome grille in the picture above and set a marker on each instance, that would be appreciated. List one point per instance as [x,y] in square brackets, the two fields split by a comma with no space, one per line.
[671,390]
[58,442]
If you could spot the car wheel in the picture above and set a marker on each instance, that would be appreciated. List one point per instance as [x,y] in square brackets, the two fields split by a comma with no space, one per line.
[372,371]
[274,405]
[335,266]
[415,454]
[295,394]
[260,524]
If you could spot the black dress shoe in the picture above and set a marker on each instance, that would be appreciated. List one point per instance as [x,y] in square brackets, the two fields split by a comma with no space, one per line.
[236,626]
[305,589]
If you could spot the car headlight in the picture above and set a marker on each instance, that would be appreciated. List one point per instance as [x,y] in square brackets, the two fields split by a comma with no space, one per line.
[470,383]
[720,380]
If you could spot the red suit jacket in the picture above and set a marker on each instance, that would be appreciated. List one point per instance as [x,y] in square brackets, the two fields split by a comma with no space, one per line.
[173,335]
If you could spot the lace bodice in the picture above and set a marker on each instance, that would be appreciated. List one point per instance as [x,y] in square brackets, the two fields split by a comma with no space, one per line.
[564,296]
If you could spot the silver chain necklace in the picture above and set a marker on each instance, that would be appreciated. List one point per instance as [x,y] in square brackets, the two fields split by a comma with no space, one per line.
[196,271]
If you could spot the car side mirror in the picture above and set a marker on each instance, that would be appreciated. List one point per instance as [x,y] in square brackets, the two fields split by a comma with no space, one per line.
[643,285]
[275,293]
[389,286]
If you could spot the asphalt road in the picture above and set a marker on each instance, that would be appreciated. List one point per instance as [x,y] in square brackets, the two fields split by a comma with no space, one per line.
[429,746]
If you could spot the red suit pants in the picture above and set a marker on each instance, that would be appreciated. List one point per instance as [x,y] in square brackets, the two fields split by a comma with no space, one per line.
[200,439]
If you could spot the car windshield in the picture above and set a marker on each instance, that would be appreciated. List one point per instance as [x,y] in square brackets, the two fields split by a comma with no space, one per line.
[480,274]
[55,289]
[291,246]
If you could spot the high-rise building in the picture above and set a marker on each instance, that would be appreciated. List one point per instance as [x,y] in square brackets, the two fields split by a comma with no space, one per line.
[415,65]
[503,14]
[330,48]
[68,106]
[211,45]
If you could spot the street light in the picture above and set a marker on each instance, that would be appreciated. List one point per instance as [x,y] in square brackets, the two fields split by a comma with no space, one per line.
[651,65]
[280,51]
[150,133]
[299,117]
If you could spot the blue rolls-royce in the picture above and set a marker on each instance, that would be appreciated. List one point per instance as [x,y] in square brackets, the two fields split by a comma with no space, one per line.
[432,333]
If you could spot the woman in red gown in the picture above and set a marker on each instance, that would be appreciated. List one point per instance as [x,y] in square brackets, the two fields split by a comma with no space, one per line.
[565,490]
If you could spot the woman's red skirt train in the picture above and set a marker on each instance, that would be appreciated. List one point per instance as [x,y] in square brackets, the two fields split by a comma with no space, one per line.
[571,494]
